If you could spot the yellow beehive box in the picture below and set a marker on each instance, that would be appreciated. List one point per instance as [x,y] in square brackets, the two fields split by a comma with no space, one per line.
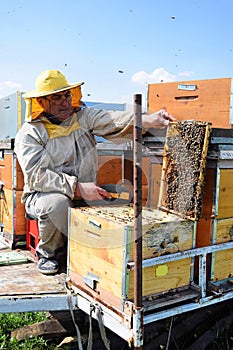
[101,244]
[225,200]
[222,261]
[222,265]
[216,224]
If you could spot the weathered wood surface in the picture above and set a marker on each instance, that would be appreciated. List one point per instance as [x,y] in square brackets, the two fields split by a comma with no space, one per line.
[25,279]
[222,265]
[48,329]
[225,202]
[224,230]
[13,212]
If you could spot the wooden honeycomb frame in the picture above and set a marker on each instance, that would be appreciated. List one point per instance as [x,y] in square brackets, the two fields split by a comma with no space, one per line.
[183,171]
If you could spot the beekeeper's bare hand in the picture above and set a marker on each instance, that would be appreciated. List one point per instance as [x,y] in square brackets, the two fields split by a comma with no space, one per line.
[158,119]
[89,191]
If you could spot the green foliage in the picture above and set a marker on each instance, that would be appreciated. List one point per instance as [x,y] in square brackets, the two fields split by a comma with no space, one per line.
[11,321]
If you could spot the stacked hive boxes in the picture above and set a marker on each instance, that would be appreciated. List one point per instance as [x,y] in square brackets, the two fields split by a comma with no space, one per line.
[101,246]
[207,100]
[12,215]
[101,238]
[216,224]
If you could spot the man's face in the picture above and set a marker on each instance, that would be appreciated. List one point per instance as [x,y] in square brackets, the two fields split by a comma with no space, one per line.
[59,105]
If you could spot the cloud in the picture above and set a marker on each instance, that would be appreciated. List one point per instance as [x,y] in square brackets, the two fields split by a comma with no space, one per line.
[157,76]
[9,84]
[8,87]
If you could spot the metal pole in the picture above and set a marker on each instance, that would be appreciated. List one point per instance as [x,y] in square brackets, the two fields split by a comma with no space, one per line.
[137,172]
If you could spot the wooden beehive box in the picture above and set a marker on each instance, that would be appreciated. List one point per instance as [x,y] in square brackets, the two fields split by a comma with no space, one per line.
[222,261]
[216,224]
[10,172]
[201,100]
[12,217]
[116,167]
[222,266]
[12,211]
[101,246]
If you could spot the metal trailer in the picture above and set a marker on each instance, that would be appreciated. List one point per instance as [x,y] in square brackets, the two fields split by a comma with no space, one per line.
[24,289]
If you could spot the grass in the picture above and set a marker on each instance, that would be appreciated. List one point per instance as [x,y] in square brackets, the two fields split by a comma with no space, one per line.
[11,321]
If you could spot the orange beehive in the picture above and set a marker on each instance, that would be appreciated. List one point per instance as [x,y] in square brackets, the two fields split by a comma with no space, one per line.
[12,211]
[203,100]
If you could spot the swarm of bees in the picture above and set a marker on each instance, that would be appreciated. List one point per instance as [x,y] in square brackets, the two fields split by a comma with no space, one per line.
[185,161]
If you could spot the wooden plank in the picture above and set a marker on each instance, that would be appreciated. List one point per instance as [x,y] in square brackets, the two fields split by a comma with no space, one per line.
[25,279]
[144,195]
[49,329]
[209,193]
[10,172]
[105,264]
[6,171]
[222,265]
[210,101]
[12,212]
[96,246]
[225,202]
[19,177]
[109,169]
[154,189]
[161,278]
[145,170]
[166,237]
[224,230]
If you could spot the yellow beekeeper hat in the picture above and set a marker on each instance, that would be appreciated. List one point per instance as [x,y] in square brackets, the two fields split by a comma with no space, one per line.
[50,82]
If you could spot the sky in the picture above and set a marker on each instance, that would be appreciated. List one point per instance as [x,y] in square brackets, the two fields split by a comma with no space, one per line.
[116,47]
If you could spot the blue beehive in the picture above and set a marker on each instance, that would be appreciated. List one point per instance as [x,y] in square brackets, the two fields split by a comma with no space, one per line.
[12,112]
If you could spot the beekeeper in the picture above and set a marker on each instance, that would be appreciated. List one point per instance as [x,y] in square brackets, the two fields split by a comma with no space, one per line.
[56,150]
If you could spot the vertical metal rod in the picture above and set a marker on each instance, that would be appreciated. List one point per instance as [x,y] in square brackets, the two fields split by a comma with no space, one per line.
[137,177]
[202,274]
[137,171]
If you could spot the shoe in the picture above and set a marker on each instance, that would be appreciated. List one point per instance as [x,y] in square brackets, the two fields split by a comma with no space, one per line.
[47,266]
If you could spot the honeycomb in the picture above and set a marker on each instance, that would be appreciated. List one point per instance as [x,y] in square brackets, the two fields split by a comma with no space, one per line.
[184,167]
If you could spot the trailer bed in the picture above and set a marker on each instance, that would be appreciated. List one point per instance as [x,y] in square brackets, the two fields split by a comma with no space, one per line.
[23,288]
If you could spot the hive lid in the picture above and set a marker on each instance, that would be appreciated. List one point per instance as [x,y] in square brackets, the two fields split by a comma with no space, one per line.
[183,171]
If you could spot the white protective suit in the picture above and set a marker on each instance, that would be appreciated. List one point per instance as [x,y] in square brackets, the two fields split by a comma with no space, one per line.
[54,158]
